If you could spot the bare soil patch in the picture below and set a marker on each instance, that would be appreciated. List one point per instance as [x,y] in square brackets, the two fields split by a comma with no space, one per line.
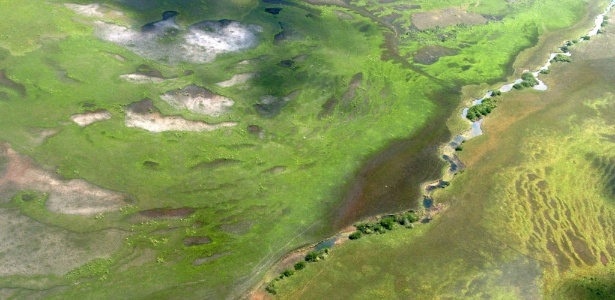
[430,54]
[238,228]
[95,10]
[31,248]
[89,118]
[270,106]
[75,196]
[196,241]
[200,261]
[40,135]
[143,114]
[446,17]
[198,100]
[236,79]
[141,79]
[168,42]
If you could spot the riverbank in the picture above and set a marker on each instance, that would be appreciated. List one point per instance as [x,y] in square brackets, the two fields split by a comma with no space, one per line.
[468,225]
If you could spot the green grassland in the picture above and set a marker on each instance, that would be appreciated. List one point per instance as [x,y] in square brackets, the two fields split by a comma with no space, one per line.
[253,216]
[531,217]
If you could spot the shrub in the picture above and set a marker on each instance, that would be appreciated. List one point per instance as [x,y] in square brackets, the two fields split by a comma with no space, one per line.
[315,256]
[483,109]
[412,216]
[561,58]
[271,289]
[544,71]
[288,273]
[300,265]
[528,79]
[388,222]
[355,235]
[365,228]
[378,228]
[312,256]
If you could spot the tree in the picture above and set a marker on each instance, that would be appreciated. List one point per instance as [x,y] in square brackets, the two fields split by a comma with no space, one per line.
[288,273]
[300,265]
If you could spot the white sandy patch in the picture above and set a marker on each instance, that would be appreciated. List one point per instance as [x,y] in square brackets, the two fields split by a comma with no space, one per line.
[89,118]
[198,100]
[94,10]
[39,135]
[155,122]
[236,79]
[199,43]
[141,79]
[74,196]
[89,10]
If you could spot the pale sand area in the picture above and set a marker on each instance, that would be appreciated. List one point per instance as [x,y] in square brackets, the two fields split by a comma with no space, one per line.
[143,114]
[89,118]
[74,196]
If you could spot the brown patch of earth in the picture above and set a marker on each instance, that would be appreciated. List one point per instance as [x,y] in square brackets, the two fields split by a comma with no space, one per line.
[270,106]
[430,54]
[143,114]
[89,118]
[196,241]
[198,100]
[75,196]
[407,7]
[256,130]
[144,256]
[238,228]
[446,17]
[200,261]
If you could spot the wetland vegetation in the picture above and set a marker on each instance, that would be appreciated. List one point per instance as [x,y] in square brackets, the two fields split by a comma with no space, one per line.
[179,149]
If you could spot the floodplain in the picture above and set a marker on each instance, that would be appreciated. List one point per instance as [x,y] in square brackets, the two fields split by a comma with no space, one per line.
[529,218]
[179,149]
